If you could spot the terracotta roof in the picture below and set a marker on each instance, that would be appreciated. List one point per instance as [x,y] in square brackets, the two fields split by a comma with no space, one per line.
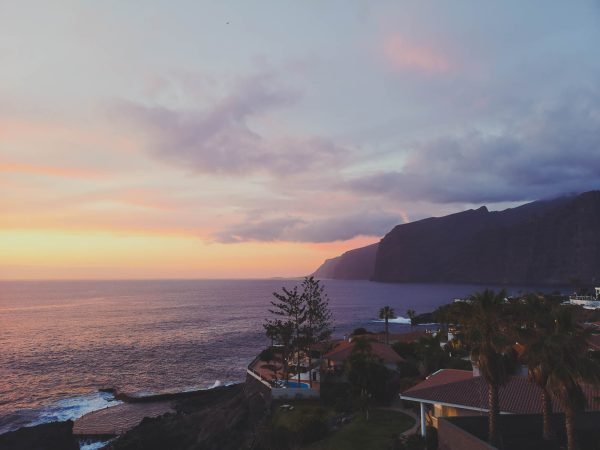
[518,395]
[412,336]
[443,376]
[594,341]
[343,350]
[519,348]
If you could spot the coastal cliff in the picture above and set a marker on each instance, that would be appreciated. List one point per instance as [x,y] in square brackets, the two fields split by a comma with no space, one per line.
[355,264]
[544,242]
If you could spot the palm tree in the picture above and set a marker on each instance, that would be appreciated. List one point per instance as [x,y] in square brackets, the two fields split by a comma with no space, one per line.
[482,321]
[387,313]
[536,325]
[571,367]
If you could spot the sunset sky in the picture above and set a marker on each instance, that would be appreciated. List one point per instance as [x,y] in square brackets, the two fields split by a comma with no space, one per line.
[203,139]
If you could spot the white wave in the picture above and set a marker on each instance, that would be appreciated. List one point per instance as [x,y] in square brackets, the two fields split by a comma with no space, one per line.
[400,320]
[97,445]
[216,384]
[66,409]
[74,407]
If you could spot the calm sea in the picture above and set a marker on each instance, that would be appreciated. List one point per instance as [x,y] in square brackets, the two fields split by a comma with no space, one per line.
[61,341]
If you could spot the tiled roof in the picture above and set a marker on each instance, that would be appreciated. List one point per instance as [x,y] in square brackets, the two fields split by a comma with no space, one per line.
[443,376]
[343,350]
[518,395]
[594,341]
[412,336]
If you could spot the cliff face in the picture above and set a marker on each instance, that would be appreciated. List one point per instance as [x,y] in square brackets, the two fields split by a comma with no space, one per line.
[542,242]
[355,264]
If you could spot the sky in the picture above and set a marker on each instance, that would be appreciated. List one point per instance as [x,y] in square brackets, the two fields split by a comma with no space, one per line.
[235,139]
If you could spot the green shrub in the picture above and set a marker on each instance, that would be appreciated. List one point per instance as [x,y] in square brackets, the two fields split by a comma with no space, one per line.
[431,439]
[267,354]
[415,442]
[312,428]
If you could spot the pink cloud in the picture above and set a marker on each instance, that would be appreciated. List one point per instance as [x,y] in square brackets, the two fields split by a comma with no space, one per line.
[403,55]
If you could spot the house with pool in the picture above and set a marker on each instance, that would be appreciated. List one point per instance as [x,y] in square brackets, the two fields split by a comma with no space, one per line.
[324,359]
[268,369]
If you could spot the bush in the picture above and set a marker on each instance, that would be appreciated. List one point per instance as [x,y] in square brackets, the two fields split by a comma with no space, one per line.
[267,355]
[276,438]
[456,363]
[431,439]
[333,394]
[415,442]
[408,350]
[408,369]
[312,428]
[359,332]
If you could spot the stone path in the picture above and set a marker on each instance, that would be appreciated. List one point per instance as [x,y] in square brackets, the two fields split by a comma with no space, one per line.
[397,406]
[118,419]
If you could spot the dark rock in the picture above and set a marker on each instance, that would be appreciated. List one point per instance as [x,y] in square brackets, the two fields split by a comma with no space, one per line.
[225,419]
[355,264]
[49,436]
[424,318]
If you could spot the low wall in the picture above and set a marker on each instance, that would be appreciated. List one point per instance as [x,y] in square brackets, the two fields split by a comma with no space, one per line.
[451,437]
[258,378]
[284,393]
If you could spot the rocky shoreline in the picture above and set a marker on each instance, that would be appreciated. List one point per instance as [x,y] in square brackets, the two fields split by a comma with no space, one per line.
[225,418]
[48,436]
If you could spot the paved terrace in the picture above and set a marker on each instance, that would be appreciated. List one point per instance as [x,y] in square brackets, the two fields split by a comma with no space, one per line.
[118,419]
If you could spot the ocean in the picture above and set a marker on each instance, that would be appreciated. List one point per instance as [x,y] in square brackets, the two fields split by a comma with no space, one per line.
[62,341]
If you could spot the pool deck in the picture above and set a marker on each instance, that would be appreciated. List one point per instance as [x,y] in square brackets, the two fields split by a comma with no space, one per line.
[264,370]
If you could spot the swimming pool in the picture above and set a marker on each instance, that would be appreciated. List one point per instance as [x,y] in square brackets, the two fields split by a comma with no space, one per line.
[295,384]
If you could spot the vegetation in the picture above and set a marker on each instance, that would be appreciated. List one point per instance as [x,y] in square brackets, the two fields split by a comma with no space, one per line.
[485,326]
[386,313]
[379,433]
[427,355]
[556,350]
[570,366]
[489,347]
[310,425]
[318,327]
[367,375]
[302,319]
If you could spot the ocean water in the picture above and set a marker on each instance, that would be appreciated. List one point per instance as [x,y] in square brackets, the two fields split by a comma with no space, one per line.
[62,341]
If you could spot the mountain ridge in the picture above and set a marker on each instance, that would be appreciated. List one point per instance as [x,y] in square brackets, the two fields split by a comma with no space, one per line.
[549,242]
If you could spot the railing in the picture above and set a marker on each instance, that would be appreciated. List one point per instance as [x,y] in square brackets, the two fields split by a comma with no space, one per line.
[281,392]
[257,375]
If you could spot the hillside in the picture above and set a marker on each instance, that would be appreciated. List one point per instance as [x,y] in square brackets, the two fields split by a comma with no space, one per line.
[355,264]
[544,242]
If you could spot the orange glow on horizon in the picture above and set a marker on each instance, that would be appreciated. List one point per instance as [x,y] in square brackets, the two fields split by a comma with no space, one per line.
[69,172]
[52,254]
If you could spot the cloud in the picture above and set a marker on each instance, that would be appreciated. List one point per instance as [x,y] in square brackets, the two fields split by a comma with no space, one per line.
[220,139]
[56,171]
[402,55]
[555,151]
[294,229]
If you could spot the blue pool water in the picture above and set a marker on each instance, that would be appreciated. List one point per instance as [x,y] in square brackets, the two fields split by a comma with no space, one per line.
[295,384]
